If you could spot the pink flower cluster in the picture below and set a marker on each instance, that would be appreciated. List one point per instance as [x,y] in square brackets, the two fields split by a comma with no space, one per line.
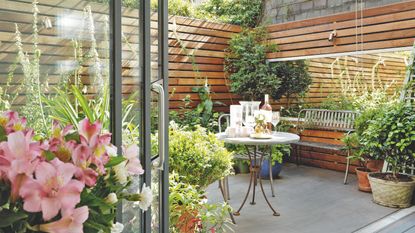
[52,185]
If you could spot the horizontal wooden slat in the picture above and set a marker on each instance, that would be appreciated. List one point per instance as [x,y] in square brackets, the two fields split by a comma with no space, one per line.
[385,27]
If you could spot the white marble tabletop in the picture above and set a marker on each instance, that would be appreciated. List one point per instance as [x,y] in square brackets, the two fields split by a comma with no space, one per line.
[277,138]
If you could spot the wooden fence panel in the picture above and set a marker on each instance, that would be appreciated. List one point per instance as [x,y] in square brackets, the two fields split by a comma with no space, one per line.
[387,27]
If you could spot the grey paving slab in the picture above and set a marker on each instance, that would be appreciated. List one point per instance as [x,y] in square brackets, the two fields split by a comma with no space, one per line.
[308,199]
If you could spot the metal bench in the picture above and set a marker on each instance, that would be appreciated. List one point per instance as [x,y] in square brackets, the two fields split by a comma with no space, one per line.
[322,119]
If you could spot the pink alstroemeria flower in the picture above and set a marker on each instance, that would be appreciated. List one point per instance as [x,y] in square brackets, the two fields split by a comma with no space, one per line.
[11,122]
[19,157]
[71,222]
[90,136]
[53,189]
[81,157]
[88,130]
[133,163]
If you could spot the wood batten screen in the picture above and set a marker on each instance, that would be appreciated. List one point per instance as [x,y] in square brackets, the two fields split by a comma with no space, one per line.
[204,44]
[197,51]
[388,27]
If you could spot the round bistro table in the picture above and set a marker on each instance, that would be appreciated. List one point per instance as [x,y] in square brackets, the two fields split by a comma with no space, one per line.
[255,168]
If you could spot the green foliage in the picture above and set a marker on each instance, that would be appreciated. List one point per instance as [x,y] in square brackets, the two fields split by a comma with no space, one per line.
[251,75]
[361,91]
[199,157]
[390,135]
[335,102]
[189,210]
[70,108]
[294,79]
[32,85]
[177,7]
[279,152]
[246,13]
[202,115]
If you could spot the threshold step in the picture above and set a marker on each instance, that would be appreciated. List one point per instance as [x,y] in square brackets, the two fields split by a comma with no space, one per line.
[401,221]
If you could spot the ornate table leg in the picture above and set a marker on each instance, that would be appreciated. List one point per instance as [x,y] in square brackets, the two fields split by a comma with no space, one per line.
[271,180]
[262,189]
[255,175]
[252,172]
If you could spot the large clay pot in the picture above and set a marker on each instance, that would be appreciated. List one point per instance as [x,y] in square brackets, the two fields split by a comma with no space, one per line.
[391,193]
[362,179]
[374,165]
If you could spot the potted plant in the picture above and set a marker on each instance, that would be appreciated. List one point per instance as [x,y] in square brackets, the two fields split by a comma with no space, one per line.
[278,153]
[390,136]
[366,163]
[252,76]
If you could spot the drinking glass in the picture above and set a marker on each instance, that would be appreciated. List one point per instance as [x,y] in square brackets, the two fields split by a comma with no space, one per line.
[275,119]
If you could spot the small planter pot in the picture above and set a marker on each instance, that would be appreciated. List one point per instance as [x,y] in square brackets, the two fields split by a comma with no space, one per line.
[362,179]
[241,166]
[276,169]
[391,193]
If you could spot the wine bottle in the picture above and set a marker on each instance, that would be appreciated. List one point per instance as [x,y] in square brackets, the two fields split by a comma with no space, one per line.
[267,111]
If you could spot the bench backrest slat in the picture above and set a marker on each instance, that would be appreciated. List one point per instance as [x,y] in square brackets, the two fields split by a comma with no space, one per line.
[339,120]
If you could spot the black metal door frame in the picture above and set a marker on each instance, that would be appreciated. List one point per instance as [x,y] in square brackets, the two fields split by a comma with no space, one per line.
[144,18]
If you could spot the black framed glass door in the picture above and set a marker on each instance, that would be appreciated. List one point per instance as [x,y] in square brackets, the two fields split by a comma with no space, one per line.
[139,62]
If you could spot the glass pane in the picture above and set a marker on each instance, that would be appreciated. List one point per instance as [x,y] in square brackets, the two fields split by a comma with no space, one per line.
[49,51]
[131,89]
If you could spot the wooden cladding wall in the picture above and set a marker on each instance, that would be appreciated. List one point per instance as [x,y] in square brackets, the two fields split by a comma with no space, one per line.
[204,44]
[389,72]
[193,45]
[389,26]
[200,57]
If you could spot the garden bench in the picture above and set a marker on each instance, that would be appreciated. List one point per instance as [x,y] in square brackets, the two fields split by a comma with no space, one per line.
[326,120]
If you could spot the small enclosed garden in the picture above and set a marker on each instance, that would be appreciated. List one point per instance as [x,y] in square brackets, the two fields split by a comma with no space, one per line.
[212,116]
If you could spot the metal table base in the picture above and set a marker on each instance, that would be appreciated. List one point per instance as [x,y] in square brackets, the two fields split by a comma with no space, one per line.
[255,169]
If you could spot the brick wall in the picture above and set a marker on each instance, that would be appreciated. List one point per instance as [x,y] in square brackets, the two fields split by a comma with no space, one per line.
[278,11]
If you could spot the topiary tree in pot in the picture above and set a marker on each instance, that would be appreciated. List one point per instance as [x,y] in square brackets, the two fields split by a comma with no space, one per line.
[252,76]
[390,135]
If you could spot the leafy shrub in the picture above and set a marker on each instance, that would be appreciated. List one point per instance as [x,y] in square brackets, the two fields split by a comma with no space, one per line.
[189,211]
[390,136]
[246,13]
[199,157]
[356,92]
[294,79]
[202,115]
[278,153]
[250,74]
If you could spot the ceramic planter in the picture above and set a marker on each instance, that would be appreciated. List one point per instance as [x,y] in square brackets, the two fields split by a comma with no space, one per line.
[391,193]
[276,169]
[362,179]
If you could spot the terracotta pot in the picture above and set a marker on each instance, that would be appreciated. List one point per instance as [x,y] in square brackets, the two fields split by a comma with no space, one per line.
[374,165]
[362,179]
[391,193]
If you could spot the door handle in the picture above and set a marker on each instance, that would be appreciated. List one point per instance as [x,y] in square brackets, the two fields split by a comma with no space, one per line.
[158,88]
